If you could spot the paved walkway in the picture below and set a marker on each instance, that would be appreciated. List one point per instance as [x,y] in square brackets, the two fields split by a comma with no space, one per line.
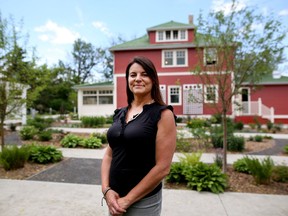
[43,197]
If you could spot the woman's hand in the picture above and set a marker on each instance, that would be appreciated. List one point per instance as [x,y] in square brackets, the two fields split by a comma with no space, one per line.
[112,201]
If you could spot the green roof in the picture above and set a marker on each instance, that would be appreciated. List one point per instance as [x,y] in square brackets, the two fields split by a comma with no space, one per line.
[89,85]
[142,43]
[171,25]
[273,80]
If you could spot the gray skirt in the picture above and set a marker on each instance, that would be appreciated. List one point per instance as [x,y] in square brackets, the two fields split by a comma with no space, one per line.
[150,206]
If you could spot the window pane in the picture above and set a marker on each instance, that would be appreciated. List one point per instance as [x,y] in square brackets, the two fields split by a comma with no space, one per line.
[211,56]
[89,100]
[211,93]
[168,35]
[180,58]
[105,99]
[168,58]
[160,35]
[174,95]
[182,34]
[175,35]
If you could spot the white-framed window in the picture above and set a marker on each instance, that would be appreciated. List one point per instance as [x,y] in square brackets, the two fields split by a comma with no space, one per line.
[174,95]
[211,93]
[174,58]
[97,97]
[171,35]
[210,56]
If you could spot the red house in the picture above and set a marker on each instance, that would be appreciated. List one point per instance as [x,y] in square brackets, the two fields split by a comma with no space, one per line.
[266,101]
[172,49]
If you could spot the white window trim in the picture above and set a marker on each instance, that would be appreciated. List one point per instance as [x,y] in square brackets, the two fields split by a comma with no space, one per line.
[204,58]
[171,34]
[174,58]
[97,94]
[180,95]
[216,94]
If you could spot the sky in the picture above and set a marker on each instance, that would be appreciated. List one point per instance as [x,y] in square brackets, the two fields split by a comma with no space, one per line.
[54,25]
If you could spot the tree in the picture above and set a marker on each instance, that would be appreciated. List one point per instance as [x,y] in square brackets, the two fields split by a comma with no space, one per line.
[85,58]
[235,51]
[11,62]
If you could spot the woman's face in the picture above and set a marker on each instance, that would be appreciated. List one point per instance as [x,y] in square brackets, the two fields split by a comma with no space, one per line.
[140,83]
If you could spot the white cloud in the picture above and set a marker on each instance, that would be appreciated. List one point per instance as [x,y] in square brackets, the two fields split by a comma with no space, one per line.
[53,33]
[102,27]
[283,12]
[223,5]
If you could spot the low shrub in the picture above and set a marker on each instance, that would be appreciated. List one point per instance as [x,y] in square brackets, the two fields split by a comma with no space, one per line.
[286,149]
[238,125]
[258,138]
[45,135]
[280,173]
[28,132]
[196,123]
[12,157]
[101,136]
[44,154]
[234,143]
[70,141]
[40,123]
[205,177]
[260,170]
[176,173]
[93,121]
[240,165]
[91,142]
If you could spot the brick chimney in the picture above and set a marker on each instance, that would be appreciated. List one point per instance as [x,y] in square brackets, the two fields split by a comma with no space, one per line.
[190,19]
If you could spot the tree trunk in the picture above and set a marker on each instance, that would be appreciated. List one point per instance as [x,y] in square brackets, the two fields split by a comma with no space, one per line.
[2,134]
[224,123]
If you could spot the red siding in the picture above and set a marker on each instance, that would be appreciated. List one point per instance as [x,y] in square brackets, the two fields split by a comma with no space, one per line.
[273,96]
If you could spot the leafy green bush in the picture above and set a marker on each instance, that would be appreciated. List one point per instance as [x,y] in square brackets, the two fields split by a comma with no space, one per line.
[93,121]
[258,138]
[176,174]
[45,135]
[260,170]
[286,149]
[196,123]
[240,165]
[205,177]
[40,123]
[28,132]
[13,157]
[234,143]
[101,136]
[269,125]
[280,173]
[70,141]
[182,144]
[238,125]
[91,142]
[44,154]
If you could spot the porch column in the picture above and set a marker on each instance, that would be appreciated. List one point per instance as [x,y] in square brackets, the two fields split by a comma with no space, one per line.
[259,107]
[272,118]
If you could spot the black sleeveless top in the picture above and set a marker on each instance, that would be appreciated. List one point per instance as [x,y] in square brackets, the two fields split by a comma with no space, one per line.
[133,147]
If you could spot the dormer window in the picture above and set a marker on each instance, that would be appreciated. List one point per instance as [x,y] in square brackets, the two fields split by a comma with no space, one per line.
[171,35]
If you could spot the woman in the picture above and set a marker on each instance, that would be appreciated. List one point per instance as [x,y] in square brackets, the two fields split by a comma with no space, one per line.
[142,140]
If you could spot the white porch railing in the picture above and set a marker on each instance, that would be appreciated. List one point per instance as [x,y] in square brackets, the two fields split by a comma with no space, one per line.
[257,108]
